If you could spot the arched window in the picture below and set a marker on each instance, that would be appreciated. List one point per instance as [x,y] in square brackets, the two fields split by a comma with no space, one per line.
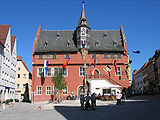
[96,72]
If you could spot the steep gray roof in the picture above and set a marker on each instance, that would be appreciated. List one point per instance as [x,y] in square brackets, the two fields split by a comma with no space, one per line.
[64,41]
[56,41]
[106,40]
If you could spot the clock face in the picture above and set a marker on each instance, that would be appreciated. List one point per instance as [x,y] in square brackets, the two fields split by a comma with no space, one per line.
[83,29]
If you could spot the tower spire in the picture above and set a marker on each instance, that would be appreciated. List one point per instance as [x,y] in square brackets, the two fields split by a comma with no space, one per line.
[83,19]
[83,3]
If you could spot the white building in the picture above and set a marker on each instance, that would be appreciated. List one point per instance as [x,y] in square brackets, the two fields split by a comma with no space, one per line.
[8,67]
[139,82]
[24,77]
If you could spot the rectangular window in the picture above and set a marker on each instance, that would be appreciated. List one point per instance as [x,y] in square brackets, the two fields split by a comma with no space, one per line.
[65,91]
[24,85]
[118,71]
[47,56]
[82,70]
[24,75]
[65,72]
[40,56]
[18,86]
[39,90]
[67,56]
[119,55]
[19,68]
[106,91]
[57,70]
[54,56]
[49,72]
[55,90]
[105,55]
[48,90]
[94,56]
[40,72]
[112,55]
[18,76]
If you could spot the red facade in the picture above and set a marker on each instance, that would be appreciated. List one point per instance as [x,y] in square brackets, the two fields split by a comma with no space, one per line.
[73,78]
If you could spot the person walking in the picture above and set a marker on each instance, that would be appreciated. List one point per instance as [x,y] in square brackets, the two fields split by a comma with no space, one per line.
[93,101]
[118,97]
[82,99]
[87,99]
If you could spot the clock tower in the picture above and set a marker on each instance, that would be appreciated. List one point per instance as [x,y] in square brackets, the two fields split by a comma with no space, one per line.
[83,31]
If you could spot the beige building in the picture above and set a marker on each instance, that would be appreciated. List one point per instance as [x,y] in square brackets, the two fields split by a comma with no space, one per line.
[23,81]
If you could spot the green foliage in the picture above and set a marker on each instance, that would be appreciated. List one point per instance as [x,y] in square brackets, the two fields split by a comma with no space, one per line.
[59,81]
[11,100]
[7,101]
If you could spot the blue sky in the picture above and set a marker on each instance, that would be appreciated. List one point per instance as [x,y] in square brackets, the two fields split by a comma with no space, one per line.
[140,20]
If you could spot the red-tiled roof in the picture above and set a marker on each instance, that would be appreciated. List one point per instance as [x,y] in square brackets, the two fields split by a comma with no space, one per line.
[3,33]
[13,38]
[20,59]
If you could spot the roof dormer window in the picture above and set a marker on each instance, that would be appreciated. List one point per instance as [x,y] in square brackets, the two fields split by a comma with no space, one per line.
[68,43]
[105,35]
[58,36]
[46,43]
[115,43]
[97,43]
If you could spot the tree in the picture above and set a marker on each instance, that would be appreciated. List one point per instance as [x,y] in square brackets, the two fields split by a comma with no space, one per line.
[59,83]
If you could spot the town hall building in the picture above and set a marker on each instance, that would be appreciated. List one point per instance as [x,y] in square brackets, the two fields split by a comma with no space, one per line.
[97,59]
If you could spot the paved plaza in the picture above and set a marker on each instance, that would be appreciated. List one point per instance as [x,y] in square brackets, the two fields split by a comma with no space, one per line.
[136,108]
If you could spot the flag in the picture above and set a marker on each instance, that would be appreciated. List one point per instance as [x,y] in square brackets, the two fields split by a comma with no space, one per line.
[45,67]
[115,65]
[136,51]
[95,62]
[65,64]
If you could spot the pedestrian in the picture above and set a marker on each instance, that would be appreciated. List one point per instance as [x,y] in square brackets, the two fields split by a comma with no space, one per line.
[93,101]
[87,99]
[118,97]
[82,99]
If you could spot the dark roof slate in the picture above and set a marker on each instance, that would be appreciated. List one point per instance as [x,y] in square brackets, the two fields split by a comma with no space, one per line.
[109,40]
[56,41]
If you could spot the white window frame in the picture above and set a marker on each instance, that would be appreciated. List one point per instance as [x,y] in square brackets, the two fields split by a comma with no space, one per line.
[18,86]
[40,57]
[81,73]
[24,86]
[65,91]
[24,75]
[48,72]
[118,72]
[48,92]
[38,74]
[65,71]
[39,91]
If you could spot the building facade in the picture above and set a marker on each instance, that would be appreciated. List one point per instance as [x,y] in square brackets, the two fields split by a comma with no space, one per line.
[98,58]
[8,67]
[157,69]
[149,75]
[23,81]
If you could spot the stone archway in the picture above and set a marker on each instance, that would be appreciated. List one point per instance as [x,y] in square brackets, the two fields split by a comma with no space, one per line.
[79,89]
